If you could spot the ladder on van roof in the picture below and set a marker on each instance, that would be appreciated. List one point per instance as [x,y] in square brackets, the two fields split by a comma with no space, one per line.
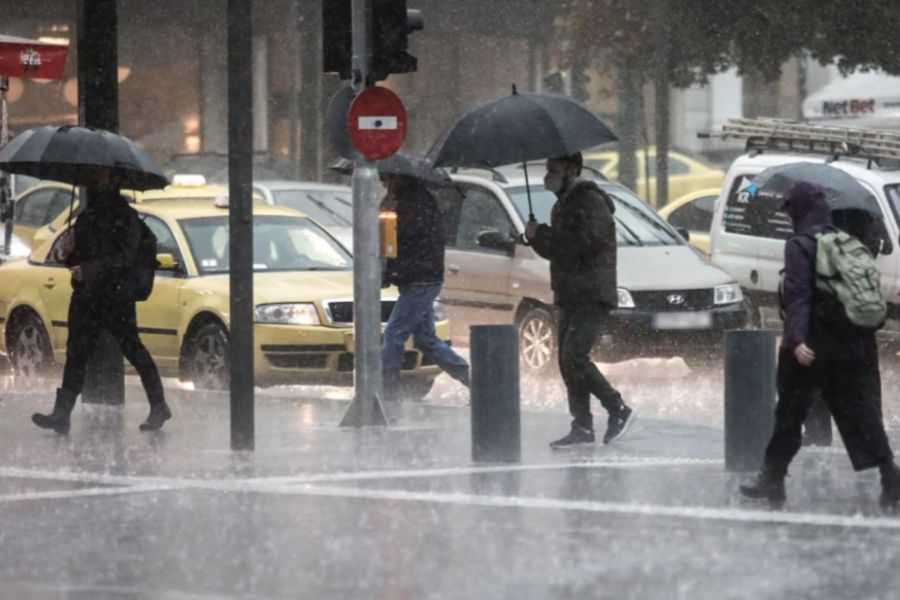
[790,136]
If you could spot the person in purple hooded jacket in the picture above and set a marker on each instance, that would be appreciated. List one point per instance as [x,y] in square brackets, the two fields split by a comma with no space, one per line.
[812,357]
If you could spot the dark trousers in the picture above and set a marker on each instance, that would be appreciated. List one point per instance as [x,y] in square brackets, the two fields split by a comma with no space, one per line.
[857,418]
[87,318]
[579,325]
[818,419]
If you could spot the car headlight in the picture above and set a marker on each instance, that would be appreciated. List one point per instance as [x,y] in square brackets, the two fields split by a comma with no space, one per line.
[625,299]
[288,314]
[730,293]
[440,313]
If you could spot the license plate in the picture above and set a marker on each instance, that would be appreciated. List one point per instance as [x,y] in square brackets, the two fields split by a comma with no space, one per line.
[682,320]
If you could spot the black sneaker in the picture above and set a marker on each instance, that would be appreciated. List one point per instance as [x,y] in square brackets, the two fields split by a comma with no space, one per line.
[619,423]
[578,436]
[159,414]
[765,486]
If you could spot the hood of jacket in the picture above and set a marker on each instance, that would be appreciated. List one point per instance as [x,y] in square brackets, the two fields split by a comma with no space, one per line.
[806,205]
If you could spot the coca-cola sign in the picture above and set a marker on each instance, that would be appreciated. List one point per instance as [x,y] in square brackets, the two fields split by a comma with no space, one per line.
[34,59]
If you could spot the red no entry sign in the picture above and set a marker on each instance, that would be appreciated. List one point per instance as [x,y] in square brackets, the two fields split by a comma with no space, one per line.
[377,123]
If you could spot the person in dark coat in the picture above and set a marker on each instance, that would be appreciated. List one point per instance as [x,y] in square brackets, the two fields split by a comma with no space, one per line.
[100,252]
[810,357]
[580,243]
[872,233]
[418,272]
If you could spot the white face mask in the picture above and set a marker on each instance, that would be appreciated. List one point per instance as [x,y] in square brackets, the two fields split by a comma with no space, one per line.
[553,183]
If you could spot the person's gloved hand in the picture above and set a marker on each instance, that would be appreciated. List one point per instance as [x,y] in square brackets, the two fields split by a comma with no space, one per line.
[531,229]
[805,355]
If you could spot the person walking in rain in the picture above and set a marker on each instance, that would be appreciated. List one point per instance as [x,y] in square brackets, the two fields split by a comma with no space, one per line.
[418,272]
[814,355]
[580,243]
[101,251]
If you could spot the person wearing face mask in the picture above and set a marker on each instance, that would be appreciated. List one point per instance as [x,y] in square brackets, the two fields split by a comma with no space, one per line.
[580,243]
[418,272]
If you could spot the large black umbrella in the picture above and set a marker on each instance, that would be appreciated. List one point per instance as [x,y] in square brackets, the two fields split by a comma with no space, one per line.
[519,128]
[842,190]
[400,164]
[74,154]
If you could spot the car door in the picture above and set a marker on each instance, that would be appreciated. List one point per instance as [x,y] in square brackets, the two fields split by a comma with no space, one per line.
[476,282]
[55,283]
[158,317]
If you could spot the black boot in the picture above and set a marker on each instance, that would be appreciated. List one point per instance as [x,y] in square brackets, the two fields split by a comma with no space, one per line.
[58,420]
[890,487]
[766,486]
[159,414]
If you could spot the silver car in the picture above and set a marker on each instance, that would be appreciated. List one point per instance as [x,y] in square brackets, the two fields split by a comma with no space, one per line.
[330,205]
[672,302]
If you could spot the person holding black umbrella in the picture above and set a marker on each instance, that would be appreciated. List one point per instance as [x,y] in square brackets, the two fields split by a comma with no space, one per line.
[580,243]
[102,251]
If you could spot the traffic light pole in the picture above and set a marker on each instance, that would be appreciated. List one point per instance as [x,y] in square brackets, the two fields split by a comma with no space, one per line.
[366,408]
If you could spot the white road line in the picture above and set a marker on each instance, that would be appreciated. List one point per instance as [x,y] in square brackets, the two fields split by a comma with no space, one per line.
[649,510]
[67,494]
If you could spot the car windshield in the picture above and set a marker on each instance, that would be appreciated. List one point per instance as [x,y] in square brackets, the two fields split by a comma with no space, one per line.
[328,207]
[279,244]
[636,223]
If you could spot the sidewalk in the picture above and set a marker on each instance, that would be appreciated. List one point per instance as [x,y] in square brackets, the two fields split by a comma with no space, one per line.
[318,511]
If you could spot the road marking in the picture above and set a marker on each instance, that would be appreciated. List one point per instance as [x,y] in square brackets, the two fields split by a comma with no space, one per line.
[67,494]
[647,510]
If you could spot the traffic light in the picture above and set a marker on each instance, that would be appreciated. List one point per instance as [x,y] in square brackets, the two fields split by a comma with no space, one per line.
[392,23]
[337,37]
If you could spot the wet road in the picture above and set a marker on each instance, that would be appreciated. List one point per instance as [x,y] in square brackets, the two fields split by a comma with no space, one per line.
[322,512]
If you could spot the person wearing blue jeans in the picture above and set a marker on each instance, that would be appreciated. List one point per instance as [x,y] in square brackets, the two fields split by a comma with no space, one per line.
[418,272]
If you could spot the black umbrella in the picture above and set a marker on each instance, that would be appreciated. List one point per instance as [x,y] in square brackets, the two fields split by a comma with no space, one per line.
[519,128]
[842,190]
[74,154]
[400,164]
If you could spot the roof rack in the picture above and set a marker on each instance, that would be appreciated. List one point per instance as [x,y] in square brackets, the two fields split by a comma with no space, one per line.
[790,136]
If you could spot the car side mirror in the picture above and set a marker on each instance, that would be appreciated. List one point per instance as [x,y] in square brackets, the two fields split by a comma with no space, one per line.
[494,240]
[167,262]
[684,233]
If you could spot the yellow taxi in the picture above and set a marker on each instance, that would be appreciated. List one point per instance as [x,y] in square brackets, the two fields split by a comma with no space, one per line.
[686,174]
[693,214]
[303,294]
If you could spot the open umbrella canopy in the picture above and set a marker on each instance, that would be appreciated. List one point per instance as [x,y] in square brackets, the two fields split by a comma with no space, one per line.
[519,128]
[400,164]
[842,190]
[77,154]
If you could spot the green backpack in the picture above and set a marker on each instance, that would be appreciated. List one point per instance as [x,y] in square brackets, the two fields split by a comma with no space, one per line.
[845,270]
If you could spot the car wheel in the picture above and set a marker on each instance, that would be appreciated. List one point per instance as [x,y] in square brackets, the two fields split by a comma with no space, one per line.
[207,358]
[537,341]
[29,347]
[416,389]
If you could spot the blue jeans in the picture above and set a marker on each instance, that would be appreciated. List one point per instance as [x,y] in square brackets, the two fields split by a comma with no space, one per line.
[413,315]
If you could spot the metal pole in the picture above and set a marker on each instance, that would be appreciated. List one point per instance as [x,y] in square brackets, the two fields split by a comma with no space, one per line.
[6,208]
[366,408]
[240,221]
[749,396]
[98,106]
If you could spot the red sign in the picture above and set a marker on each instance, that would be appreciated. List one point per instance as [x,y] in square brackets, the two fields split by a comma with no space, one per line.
[31,59]
[377,123]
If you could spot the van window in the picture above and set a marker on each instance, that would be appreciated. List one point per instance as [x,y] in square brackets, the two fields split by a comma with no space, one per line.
[893,195]
[758,216]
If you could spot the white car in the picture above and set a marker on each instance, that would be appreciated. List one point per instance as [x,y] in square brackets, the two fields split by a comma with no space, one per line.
[330,205]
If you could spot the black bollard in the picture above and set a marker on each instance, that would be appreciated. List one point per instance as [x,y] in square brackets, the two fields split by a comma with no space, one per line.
[749,397]
[496,426]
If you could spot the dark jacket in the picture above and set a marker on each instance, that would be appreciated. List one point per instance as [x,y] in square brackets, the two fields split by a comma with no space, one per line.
[810,215]
[420,239]
[107,237]
[580,244]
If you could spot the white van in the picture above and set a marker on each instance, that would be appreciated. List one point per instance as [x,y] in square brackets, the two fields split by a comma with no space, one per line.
[747,237]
